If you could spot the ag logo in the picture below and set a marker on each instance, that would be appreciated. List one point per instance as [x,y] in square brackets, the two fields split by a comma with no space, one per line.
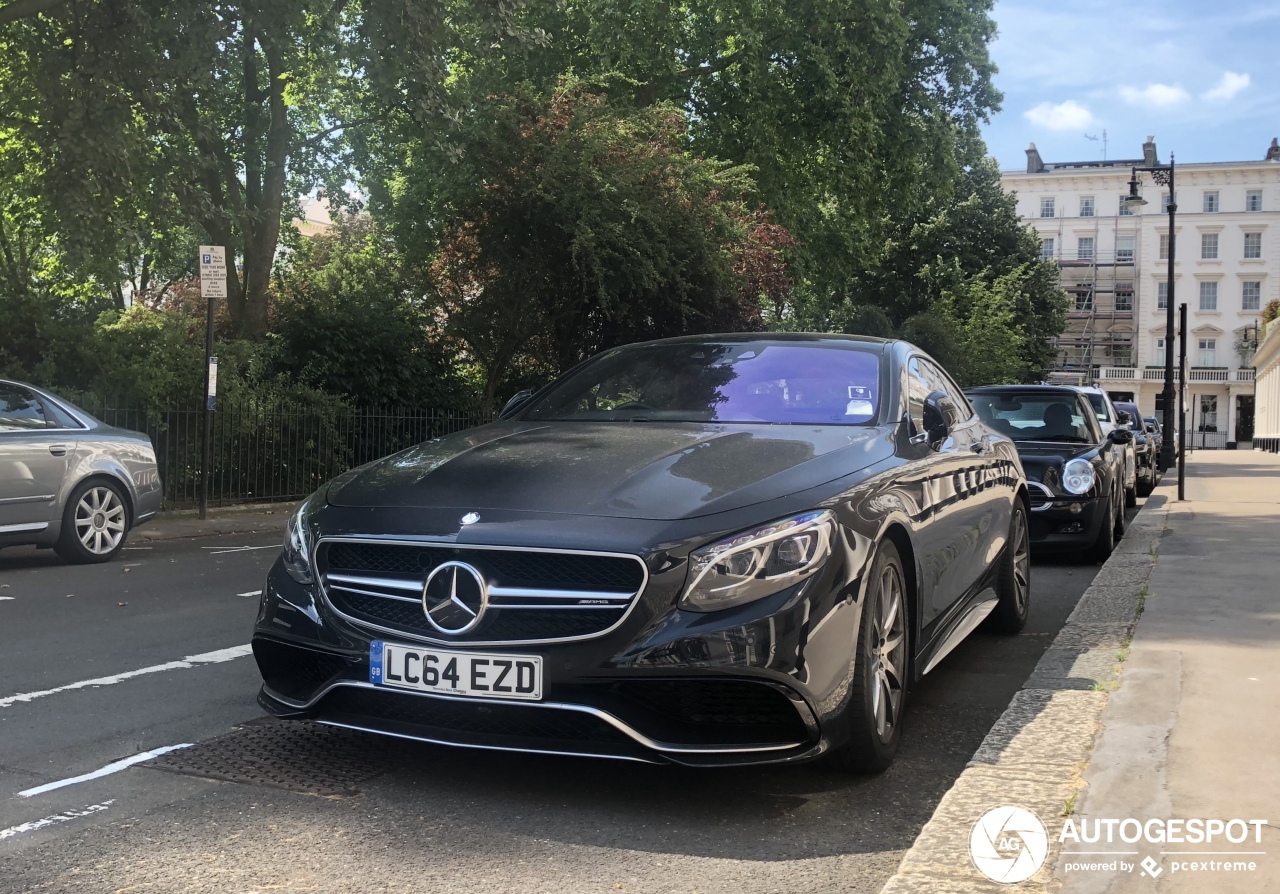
[1008,844]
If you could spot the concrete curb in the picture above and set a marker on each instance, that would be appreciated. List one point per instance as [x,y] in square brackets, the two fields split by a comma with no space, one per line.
[185,524]
[1035,753]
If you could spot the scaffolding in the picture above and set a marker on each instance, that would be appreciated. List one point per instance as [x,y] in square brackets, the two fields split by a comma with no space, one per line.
[1101,287]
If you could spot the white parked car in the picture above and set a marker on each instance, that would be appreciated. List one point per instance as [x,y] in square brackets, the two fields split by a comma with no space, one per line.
[1109,419]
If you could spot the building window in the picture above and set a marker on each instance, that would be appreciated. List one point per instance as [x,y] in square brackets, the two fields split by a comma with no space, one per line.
[1124,249]
[1122,355]
[1209,295]
[1086,206]
[1084,297]
[1047,207]
[1158,357]
[1253,200]
[1046,249]
[1164,246]
[1084,250]
[1125,210]
[1251,296]
[1124,296]
[1208,352]
[1211,202]
[1208,246]
[1252,246]
[1164,203]
[1208,412]
[1162,296]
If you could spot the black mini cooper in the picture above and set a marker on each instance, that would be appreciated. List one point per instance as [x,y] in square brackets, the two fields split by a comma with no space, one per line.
[708,550]
[1074,471]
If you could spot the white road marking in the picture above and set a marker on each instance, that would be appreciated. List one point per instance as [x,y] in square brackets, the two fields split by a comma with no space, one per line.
[6,598]
[54,820]
[250,593]
[114,767]
[190,661]
[236,549]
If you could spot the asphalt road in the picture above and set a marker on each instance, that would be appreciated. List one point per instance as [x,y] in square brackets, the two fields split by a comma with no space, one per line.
[163,634]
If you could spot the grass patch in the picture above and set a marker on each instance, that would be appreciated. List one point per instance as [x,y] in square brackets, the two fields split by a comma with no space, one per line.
[1069,805]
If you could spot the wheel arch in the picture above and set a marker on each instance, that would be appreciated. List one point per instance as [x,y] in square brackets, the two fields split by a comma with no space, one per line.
[111,478]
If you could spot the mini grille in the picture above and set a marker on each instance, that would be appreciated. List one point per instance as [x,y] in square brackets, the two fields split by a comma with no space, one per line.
[534,595]
[467,718]
[730,710]
[295,672]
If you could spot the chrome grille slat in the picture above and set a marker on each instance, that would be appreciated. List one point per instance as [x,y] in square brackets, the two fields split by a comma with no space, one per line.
[535,595]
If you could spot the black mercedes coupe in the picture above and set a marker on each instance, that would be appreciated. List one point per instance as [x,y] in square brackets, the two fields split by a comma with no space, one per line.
[1074,471]
[707,550]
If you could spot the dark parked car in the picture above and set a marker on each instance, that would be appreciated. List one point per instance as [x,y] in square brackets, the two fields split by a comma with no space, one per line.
[1075,477]
[708,550]
[1145,452]
[1156,428]
[69,481]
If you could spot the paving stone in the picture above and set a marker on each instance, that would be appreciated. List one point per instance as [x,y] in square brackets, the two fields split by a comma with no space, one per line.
[1121,575]
[1102,604]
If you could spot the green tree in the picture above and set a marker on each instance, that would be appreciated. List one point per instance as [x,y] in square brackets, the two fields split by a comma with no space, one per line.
[571,225]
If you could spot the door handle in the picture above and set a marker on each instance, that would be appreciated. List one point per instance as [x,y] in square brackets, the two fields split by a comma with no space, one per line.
[58,449]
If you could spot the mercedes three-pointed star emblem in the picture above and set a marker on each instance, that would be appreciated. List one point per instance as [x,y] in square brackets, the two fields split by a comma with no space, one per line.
[455,598]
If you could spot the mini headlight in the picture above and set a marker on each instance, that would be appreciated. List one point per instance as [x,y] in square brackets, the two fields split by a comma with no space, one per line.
[758,563]
[1077,476]
[296,555]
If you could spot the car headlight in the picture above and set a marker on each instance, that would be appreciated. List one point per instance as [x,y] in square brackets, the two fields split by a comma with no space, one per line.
[759,562]
[296,555]
[1077,476]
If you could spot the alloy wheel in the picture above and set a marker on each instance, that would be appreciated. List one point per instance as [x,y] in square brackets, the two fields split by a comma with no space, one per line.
[99,520]
[1021,561]
[888,651]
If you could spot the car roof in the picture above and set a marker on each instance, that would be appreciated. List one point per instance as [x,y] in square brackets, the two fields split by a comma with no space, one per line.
[1022,389]
[745,337]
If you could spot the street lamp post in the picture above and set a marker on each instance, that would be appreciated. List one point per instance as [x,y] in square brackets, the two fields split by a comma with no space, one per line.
[1163,176]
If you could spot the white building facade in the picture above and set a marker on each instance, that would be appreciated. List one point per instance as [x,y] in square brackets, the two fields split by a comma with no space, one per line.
[1114,266]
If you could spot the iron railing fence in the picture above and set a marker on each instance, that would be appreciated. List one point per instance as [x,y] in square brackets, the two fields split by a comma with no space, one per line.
[267,450]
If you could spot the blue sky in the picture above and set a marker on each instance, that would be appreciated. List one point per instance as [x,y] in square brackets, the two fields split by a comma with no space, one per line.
[1201,77]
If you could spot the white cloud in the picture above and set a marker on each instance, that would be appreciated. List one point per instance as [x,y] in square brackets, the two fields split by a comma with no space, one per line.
[1229,86]
[1158,95]
[1069,115]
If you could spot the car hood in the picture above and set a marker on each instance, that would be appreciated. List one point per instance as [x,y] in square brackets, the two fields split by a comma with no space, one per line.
[1038,457]
[640,470]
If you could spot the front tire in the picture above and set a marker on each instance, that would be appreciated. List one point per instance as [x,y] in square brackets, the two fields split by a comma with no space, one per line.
[878,695]
[94,524]
[1013,587]
[1105,544]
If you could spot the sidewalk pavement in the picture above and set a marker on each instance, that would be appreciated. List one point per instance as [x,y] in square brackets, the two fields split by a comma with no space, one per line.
[182,524]
[1193,731]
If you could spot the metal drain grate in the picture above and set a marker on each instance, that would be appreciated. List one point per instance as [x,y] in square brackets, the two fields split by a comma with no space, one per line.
[293,755]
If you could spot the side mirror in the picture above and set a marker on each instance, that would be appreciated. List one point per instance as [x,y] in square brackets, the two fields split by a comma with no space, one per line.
[1122,435]
[940,416]
[1151,429]
[1124,418]
[518,400]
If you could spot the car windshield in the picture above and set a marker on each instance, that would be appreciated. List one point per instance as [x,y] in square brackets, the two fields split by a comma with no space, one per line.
[1135,418]
[748,382]
[1034,416]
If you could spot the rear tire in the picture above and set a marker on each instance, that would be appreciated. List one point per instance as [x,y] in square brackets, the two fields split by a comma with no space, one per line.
[94,524]
[878,695]
[1105,544]
[1014,584]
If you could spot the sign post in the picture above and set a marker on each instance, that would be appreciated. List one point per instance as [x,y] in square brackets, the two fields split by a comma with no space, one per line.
[213,285]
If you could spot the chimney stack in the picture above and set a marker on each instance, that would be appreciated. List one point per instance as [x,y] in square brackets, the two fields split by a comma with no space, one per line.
[1273,153]
[1149,157]
[1034,164]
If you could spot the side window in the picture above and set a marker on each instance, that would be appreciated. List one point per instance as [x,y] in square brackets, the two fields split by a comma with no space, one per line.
[20,410]
[1084,408]
[943,382]
[918,388]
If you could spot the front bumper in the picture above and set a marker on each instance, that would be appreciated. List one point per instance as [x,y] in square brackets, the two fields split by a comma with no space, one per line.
[1058,528]
[763,683]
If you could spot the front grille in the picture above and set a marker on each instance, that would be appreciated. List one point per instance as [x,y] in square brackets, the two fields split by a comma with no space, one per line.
[1041,497]
[722,711]
[535,596]
[468,719]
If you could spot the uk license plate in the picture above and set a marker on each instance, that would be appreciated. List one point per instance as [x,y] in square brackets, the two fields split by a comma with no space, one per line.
[474,674]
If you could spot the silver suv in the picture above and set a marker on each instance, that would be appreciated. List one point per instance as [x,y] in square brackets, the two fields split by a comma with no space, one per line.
[1109,419]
